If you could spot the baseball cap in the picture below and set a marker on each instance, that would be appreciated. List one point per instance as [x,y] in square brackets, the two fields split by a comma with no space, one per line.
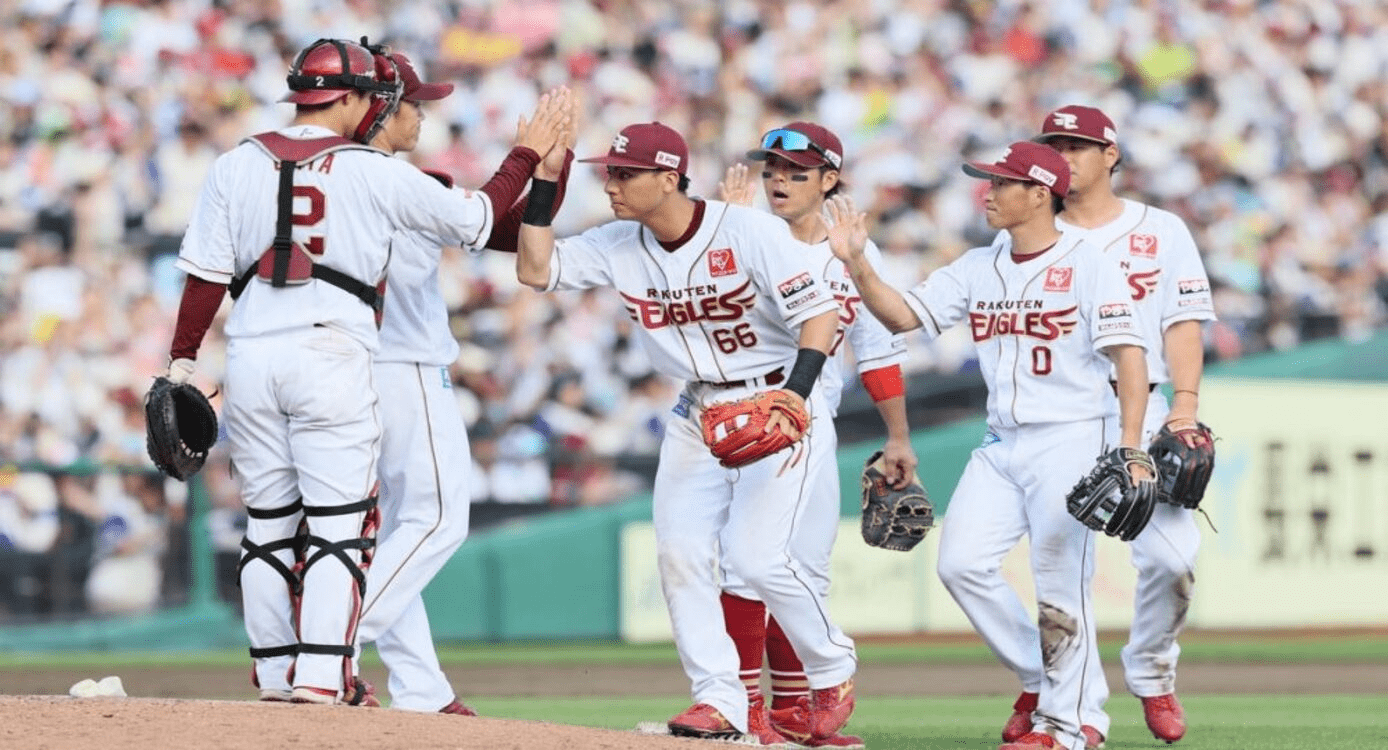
[417,90]
[646,145]
[1075,121]
[804,144]
[1029,162]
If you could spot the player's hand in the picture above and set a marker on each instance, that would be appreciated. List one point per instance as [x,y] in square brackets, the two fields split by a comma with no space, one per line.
[735,187]
[900,461]
[847,228]
[779,421]
[552,163]
[1139,471]
[546,125]
[180,370]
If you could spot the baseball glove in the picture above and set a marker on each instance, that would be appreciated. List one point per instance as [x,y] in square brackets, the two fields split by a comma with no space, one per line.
[735,431]
[893,519]
[1107,500]
[180,427]
[1185,459]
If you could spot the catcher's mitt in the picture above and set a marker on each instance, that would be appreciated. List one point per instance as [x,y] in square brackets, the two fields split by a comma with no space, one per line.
[1107,500]
[180,427]
[735,431]
[1185,459]
[893,519]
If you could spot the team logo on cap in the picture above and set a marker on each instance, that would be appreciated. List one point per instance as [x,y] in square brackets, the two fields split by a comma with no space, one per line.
[1143,245]
[619,144]
[1066,120]
[1044,176]
[721,262]
[1058,278]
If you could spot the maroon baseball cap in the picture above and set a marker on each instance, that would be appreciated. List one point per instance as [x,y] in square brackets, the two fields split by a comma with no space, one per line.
[1075,121]
[1029,162]
[646,145]
[417,90]
[804,144]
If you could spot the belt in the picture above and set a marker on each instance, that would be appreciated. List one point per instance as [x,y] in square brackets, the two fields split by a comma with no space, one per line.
[1114,385]
[775,377]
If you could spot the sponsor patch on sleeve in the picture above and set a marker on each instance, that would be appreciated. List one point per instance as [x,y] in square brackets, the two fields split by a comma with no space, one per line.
[794,285]
[1115,310]
[1193,286]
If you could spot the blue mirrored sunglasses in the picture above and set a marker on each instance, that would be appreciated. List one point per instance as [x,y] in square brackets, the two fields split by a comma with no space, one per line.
[791,140]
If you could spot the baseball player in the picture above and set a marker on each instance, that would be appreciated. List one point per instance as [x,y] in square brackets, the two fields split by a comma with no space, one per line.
[1167,284]
[296,224]
[1050,319]
[425,461]
[802,163]
[728,300]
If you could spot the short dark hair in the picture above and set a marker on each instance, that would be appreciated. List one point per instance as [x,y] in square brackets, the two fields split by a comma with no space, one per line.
[1057,204]
[684,183]
[833,191]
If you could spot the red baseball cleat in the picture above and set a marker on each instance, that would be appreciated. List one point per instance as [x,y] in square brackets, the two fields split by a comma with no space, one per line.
[759,724]
[1019,723]
[1093,738]
[1031,741]
[458,708]
[705,722]
[830,709]
[1165,717]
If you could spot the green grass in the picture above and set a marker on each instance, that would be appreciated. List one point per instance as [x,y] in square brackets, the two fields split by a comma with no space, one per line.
[1212,647]
[1237,722]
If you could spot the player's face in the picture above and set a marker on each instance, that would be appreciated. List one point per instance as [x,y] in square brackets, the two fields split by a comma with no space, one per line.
[1009,203]
[794,191]
[634,192]
[402,129]
[1090,162]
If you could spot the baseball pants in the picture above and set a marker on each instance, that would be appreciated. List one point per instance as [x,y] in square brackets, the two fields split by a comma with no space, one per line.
[301,421]
[754,511]
[425,502]
[1015,484]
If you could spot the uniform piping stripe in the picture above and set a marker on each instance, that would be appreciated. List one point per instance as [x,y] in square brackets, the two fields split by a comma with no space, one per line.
[689,281]
[1140,219]
[933,323]
[438,495]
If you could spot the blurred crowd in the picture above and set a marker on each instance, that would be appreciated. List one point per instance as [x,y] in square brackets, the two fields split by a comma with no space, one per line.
[1264,124]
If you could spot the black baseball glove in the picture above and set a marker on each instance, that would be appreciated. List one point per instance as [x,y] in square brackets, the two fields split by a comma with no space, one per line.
[893,519]
[1185,459]
[1107,499]
[180,427]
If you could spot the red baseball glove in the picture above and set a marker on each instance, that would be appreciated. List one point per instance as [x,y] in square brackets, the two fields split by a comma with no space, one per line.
[735,432]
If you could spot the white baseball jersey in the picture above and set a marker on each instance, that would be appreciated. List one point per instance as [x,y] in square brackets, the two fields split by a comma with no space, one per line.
[722,307]
[359,198]
[1165,275]
[415,325]
[873,345]
[1039,326]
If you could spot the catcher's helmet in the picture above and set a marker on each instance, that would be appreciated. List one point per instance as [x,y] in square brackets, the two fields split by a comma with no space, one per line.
[382,105]
[329,69]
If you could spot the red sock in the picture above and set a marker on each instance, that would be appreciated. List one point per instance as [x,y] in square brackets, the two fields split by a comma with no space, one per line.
[745,620]
[788,681]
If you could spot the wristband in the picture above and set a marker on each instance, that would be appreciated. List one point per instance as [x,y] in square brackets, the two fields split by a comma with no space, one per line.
[884,383]
[808,363]
[540,205]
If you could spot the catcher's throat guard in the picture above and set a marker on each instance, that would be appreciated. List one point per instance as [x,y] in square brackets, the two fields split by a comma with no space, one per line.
[1109,500]
[894,519]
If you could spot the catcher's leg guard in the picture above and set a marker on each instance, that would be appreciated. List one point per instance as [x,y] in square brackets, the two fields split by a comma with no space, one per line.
[266,612]
[320,547]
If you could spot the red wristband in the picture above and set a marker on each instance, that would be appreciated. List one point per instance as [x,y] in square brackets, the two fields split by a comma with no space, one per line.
[884,383]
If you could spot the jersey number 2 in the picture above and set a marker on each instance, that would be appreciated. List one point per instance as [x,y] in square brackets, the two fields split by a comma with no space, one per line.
[317,207]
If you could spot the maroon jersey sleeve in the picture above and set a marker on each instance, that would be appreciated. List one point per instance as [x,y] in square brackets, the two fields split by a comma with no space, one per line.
[196,309]
[506,229]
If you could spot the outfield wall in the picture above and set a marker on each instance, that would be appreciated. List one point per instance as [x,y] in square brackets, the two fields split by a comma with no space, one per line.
[1300,498]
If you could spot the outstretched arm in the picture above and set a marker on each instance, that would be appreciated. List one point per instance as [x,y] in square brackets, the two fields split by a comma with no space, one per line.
[848,241]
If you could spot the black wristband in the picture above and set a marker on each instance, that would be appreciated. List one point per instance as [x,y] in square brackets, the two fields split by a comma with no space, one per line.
[808,363]
[539,206]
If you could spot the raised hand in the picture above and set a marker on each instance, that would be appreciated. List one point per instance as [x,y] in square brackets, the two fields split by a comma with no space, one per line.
[847,228]
[735,187]
[546,125]
[552,163]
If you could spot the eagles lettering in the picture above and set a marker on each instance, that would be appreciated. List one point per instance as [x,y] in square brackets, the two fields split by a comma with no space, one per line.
[703,305]
[1046,326]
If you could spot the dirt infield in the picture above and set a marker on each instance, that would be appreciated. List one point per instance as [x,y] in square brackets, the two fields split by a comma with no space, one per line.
[189,707]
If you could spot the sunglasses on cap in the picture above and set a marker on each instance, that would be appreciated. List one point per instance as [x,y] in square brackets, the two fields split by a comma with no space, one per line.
[793,140]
